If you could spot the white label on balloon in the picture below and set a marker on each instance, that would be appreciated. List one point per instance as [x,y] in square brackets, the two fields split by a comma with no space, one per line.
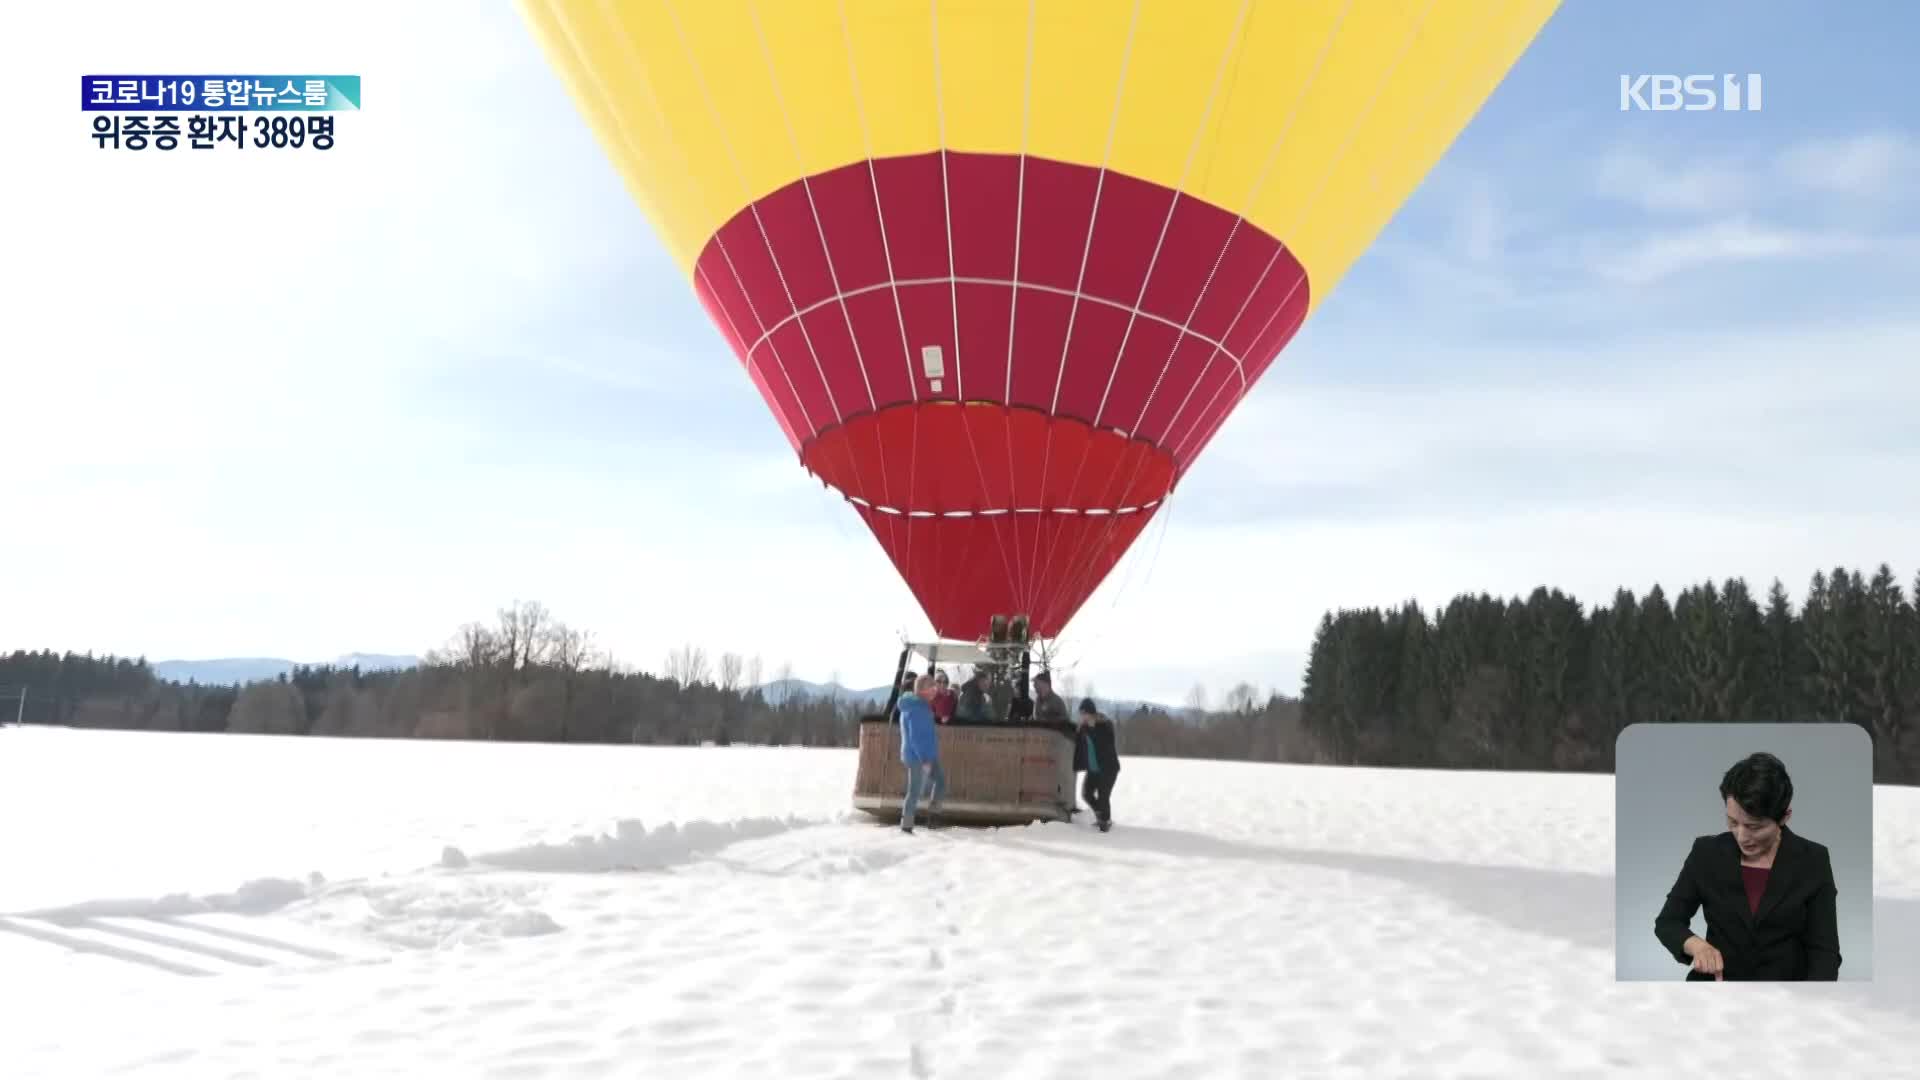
[931,360]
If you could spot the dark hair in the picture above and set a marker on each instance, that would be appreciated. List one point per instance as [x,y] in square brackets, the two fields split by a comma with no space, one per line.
[1087,706]
[1760,784]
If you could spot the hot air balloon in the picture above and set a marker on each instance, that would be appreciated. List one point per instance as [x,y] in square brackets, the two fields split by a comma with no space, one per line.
[1002,268]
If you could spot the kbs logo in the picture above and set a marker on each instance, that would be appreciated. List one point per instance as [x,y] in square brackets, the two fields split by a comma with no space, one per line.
[1691,93]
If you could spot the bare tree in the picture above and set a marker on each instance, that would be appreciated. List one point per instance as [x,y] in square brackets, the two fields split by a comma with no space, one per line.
[508,635]
[570,651]
[1197,698]
[1241,698]
[474,646]
[754,667]
[731,666]
[687,666]
[521,641]
[475,652]
[526,636]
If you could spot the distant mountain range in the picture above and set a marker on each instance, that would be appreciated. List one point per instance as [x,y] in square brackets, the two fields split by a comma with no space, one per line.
[238,671]
[780,690]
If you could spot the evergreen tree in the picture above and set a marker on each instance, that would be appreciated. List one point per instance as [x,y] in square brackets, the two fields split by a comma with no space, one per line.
[1784,670]
[1539,684]
[1481,682]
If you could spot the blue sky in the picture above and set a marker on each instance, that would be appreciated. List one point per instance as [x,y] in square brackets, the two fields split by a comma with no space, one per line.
[305,404]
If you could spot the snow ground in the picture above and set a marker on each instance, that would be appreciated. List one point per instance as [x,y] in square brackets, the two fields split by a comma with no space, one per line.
[206,906]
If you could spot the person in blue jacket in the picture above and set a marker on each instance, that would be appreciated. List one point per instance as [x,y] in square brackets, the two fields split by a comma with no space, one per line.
[1102,752]
[920,752]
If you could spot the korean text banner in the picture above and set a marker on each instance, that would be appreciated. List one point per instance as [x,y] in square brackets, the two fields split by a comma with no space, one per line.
[220,93]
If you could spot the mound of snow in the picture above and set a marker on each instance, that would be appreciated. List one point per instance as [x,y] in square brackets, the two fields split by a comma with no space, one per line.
[630,846]
[429,912]
[261,896]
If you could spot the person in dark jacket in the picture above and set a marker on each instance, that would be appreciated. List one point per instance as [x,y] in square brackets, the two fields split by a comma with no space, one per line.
[975,706]
[1768,891]
[1020,709]
[907,681]
[1047,706]
[1102,749]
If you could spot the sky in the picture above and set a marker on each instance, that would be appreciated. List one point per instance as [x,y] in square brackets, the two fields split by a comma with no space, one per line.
[305,404]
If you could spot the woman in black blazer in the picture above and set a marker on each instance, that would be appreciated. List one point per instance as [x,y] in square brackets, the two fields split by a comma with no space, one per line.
[1767,890]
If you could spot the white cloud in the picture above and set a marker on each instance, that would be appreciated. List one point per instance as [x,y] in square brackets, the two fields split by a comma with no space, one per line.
[1481,228]
[1787,403]
[1865,166]
[1505,245]
[1662,254]
[1665,185]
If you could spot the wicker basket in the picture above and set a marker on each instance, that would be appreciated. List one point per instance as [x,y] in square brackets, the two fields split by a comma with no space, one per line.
[997,774]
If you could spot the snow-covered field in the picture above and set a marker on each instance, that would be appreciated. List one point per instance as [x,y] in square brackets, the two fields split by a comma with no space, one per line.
[206,906]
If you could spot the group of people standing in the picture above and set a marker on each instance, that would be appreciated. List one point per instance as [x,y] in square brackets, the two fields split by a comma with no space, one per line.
[927,700]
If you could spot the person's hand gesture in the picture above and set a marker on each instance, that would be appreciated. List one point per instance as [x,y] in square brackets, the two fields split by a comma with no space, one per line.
[1707,959]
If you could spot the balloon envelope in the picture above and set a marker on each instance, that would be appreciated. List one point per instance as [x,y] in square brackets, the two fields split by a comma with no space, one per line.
[1002,268]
